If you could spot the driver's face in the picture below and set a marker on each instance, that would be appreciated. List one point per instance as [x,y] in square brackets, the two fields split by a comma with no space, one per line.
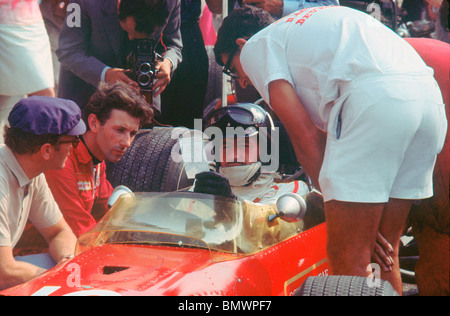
[115,136]
[239,151]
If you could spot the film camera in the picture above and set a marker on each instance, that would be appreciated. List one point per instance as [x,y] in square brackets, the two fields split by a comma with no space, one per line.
[144,62]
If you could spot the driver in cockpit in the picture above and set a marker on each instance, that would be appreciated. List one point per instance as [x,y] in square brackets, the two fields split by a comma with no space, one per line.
[241,173]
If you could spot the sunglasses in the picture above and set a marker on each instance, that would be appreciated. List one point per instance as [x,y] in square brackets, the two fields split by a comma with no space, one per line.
[74,142]
[226,69]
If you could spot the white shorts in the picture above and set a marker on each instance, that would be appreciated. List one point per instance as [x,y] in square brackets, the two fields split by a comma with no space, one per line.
[391,130]
[25,59]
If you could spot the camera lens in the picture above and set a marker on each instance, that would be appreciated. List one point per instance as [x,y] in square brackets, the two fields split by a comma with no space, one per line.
[145,68]
[144,79]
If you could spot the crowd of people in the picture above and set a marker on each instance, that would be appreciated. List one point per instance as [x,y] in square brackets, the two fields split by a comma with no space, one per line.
[363,108]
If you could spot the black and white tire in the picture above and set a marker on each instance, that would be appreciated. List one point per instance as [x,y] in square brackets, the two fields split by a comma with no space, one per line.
[147,166]
[343,285]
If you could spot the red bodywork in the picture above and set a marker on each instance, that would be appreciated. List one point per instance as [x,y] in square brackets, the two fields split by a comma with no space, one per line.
[124,269]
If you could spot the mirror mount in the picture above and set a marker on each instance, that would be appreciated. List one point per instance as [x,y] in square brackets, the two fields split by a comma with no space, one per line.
[291,208]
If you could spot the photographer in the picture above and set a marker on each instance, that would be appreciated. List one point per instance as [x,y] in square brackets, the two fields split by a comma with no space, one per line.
[98,49]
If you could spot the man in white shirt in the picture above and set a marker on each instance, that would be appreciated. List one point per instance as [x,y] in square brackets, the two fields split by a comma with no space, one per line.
[363,111]
[41,134]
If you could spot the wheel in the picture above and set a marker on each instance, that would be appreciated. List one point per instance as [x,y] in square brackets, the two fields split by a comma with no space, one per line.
[147,166]
[214,88]
[343,285]
[408,257]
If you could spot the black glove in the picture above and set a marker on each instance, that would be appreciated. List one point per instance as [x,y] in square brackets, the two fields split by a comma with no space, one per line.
[211,182]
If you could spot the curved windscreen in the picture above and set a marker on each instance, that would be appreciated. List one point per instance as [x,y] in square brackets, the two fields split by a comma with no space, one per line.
[188,219]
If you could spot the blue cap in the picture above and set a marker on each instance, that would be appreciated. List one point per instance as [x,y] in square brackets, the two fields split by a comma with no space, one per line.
[46,115]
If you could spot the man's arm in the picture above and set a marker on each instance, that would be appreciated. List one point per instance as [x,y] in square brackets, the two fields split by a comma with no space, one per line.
[14,272]
[61,241]
[61,245]
[171,39]
[73,50]
[308,141]
[171,36]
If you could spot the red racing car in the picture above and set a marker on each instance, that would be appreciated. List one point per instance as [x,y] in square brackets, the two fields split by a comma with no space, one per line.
[185,243]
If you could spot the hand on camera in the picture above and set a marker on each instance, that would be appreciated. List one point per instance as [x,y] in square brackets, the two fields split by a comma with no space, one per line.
[113,75]
[164,70]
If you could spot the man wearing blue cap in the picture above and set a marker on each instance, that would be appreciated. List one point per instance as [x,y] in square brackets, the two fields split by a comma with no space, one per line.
[40,137]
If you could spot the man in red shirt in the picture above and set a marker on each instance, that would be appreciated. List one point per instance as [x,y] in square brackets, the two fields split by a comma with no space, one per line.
[113,117]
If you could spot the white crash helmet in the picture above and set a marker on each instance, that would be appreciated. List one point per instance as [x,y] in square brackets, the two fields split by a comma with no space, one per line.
[254,120]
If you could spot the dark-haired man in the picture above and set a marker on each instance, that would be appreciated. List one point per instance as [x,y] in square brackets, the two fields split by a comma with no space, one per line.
[113,116]
[363,111]
[41,134]
[97,50]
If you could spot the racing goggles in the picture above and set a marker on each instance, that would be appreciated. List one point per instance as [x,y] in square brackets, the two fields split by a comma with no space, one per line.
[230,116]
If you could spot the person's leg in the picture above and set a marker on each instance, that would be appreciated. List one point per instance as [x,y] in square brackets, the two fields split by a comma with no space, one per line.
[352,230]
[392,226]
[432,269]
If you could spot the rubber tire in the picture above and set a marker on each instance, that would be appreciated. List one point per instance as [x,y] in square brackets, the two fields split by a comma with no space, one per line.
[343,285]
[214,87]
[147,166]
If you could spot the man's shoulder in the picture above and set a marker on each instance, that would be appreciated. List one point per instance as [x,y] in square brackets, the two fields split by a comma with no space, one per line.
[6,173]
[90,7]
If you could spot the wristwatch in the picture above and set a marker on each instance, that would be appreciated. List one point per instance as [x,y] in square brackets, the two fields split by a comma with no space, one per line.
[66,257]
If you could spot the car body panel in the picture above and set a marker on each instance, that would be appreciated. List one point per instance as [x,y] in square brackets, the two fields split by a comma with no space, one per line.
[279,268]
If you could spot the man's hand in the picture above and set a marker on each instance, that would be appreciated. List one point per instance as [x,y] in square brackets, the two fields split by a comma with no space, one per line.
[274,7]
[212,183]
[14,272]
[382,252]
[163,76]
[113,75]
